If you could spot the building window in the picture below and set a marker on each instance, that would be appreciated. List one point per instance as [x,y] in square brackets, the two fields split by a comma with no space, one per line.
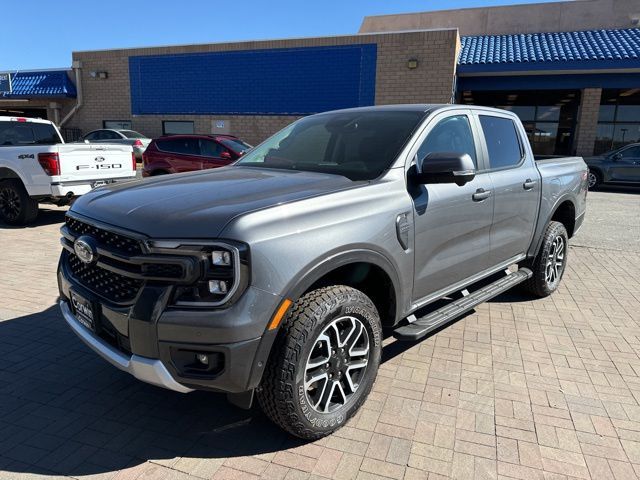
[175,127]
[618,120]
[548,116]
[117,124]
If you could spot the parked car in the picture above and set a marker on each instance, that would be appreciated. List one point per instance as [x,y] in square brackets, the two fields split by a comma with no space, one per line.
[620,166]
[138,141]
[185,153]
[276,275]
[36,166]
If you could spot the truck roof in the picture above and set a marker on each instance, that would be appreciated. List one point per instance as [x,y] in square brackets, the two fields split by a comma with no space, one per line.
[18,118]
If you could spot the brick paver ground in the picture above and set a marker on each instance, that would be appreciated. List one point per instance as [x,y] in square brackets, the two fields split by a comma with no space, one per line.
[520,388]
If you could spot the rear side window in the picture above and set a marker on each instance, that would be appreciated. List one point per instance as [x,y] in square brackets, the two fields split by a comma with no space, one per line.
[502,140]
[27,133]
[185,146]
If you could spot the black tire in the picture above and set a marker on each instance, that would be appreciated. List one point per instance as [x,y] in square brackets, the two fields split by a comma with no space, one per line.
[594,179]
[16,206]
[283,395]
[540,283]
[159,172]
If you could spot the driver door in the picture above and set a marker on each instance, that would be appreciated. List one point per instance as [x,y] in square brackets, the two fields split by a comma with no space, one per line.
[452,223]
[626,165]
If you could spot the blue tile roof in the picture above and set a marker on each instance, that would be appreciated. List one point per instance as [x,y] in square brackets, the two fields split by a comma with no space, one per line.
[48,83]
[552,51]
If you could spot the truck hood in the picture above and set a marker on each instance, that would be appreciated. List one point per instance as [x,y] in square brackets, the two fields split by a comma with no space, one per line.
[200,204]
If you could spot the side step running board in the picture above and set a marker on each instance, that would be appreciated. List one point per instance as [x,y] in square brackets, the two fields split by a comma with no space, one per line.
[422,326]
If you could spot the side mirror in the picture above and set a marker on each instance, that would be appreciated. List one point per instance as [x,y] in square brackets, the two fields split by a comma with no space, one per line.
[86,140]
[446,167]
[225,156]
[617,156]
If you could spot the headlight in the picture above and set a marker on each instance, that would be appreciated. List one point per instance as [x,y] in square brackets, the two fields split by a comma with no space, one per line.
[224,272]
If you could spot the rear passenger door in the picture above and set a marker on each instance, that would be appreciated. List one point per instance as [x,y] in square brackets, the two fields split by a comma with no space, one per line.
[516,186]
[182,153]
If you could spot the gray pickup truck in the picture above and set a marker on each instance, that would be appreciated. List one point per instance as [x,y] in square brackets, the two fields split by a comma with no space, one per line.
[276,276]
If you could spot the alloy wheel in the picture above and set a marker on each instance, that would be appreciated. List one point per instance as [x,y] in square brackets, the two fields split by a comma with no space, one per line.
[9,203]
[555,262]
[593,179]
[336,364]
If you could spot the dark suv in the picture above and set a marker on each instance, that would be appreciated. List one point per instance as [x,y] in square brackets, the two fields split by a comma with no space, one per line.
[185,153]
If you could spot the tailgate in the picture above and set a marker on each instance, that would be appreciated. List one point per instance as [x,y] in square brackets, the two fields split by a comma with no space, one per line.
[82,161]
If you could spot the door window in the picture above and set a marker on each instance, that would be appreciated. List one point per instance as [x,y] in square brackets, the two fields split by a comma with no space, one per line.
[631,152]
[452,134]
[184,146]
[502,140]
[209,148]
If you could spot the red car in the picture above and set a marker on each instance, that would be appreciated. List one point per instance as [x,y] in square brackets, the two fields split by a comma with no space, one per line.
[185,153]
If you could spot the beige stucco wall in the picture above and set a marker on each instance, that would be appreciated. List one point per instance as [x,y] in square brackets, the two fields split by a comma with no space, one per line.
[431,82]
[541,17]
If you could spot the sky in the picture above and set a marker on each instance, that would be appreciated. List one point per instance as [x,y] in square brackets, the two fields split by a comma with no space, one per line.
[50,30]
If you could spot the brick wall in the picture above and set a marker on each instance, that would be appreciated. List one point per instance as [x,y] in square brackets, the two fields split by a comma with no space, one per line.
[587,124]
[431,82]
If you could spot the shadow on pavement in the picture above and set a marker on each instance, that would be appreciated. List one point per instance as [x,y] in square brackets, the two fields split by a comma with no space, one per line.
[45,217]
[64,410]
[633,189]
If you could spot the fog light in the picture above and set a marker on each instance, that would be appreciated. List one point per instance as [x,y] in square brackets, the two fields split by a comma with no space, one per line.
[218,286]
[220,257]
[202,358]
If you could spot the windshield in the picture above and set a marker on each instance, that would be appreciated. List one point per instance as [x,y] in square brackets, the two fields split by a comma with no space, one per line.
[235,144]
[131,134]
[28,133]
[359,145]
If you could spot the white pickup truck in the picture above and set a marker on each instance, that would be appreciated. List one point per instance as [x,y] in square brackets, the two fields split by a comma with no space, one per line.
[36,166]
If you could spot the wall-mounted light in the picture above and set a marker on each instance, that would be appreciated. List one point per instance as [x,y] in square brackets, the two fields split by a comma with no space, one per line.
[100,75]
[412,63]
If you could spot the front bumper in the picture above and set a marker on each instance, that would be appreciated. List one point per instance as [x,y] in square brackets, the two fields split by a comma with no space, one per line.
[146,369]
[148,338]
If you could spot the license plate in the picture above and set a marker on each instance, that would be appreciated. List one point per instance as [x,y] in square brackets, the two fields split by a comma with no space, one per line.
[83,310]
[99,183]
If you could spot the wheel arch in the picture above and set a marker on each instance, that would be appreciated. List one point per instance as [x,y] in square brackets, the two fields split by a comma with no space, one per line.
[7,173]
[563,211]
[363,269]
[314,276]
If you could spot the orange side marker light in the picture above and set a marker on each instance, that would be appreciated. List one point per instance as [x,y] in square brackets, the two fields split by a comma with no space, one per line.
[277,318]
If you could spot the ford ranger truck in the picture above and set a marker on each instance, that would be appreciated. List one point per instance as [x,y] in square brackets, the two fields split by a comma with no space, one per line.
[36,166]
[275,277]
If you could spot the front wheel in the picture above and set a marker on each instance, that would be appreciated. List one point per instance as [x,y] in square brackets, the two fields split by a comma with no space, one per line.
[550,263]
[323,363]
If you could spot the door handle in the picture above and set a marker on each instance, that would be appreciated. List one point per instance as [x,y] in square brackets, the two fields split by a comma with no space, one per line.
[481,194]
[529,184]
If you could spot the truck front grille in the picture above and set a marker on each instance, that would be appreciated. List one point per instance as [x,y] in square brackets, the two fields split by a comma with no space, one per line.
[122,266]
[110,285]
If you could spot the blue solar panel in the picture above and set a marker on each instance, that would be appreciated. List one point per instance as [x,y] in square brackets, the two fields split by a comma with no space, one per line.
[284,81]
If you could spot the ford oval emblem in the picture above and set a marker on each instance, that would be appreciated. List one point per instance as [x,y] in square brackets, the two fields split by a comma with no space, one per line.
[85,249]
[99,159]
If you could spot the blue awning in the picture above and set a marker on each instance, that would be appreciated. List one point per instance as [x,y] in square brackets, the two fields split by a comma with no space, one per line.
[48,83]
[586,50]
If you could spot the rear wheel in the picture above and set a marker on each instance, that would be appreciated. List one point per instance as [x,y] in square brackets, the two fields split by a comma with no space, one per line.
[323,363]
[550,263]
[16,206]
[595,179]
